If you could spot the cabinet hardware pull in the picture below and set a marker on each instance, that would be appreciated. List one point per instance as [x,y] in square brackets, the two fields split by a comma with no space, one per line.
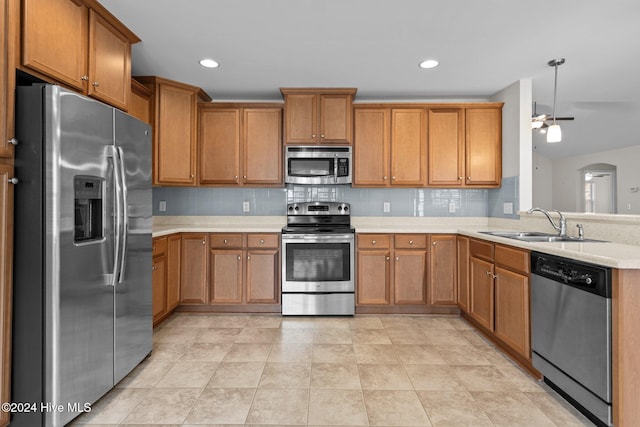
[322,136]
[387,258]
[13,141]
[238,257]
[393,178]
[248,257]
[384,177]
[411,242]
[235,177]
[84,78]
[262,241]
[13,180]
[225,241]
[373,242]
[95,84]
[434,243]
[153,268]
[460,178]
[469,178]
[203,242]
[313,135]
[489,273]
[191,175]
[397,258]
[244,177]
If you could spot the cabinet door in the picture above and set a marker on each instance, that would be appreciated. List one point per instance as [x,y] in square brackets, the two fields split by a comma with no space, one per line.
[6,262]
[225,276]
[410,277]
[408,147]
[371,148]
[262,134]
[443,269]
[373,277]
[481,292]
[301,117]
[219,139]
[175,149]
[512,310]
[463,272]
[109,63]
[483,136]
[263,276]
[159,281]
[193,277]
[174,250]
[7,78]
[140,102]
[446,147]
[335,119]
[54,40]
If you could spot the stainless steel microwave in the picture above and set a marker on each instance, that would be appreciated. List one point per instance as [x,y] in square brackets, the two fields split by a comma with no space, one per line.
[318,165]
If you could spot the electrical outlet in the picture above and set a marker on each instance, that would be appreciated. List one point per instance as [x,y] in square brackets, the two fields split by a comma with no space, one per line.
[452,207]
[386,207]
[162,206]
[246,207]
[507,208]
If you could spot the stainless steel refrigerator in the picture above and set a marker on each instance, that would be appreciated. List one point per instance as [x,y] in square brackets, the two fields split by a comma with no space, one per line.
[82,252]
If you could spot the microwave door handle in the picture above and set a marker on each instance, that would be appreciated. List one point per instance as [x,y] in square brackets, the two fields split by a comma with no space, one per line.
[125,215]
[335,169]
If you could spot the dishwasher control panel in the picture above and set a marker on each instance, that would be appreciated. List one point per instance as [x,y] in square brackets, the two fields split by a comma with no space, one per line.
[588,277]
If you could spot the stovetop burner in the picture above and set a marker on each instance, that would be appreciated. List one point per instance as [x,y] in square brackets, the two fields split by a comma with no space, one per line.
[318,217]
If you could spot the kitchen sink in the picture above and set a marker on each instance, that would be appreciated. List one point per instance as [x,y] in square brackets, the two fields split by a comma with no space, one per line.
[534,236]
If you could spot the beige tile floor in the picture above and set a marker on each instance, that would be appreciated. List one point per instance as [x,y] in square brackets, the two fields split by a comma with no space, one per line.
[223,369]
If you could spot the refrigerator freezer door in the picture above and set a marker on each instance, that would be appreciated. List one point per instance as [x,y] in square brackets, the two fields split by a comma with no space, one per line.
[79,294]
[133,316]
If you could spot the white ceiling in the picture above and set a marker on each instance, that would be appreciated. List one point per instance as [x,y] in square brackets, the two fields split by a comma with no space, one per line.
[376,45]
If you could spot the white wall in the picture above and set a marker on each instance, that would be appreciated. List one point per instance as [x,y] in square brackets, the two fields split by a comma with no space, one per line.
[543,179]
[516,136]
[565,178]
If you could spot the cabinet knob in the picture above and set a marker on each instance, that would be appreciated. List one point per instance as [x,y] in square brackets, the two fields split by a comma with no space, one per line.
[244,177]
[434,243]
[192,175]
[387,258]
[393,178]
[322,136]
[248,257]
[13,141]
[262,241]
[225,241]
[238,257]
[411,242]
[203,242]
[84,78]
[397,258]
[235,177]
[313,136]
[373,242]
[13,180]
[469,178]
[153,268]
[459,178]
[95,84]
[384,177]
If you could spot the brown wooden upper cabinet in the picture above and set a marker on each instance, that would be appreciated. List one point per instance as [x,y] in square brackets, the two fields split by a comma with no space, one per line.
[174,116]
[318,116]
[8,12]
[240,144]
[390,147]
[80,45]
[465,146]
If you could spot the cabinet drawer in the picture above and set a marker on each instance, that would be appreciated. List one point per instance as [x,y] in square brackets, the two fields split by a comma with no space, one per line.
[263,240]
[410,241]
[481,249]
[159,246]
[512,258]
[226,240]
[374,241]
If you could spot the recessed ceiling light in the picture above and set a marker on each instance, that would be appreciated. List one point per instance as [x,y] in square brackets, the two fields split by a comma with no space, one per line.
[429,63]
[209,63]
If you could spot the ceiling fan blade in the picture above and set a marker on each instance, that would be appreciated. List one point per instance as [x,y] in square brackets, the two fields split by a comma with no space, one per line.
[562,118]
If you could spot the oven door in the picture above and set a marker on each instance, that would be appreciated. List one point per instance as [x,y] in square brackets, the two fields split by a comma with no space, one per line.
[318,262]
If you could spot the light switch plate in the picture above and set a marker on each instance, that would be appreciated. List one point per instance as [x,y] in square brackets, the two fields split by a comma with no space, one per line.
[162,206]
[507,208]
[386,207]
[246,207]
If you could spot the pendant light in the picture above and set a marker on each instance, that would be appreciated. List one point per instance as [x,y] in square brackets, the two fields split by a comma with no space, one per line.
[554,133]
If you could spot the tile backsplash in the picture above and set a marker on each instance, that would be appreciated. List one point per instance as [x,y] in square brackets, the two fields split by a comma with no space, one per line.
[403,202]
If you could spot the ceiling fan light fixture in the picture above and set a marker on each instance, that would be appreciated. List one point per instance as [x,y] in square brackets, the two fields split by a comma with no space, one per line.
[554,133]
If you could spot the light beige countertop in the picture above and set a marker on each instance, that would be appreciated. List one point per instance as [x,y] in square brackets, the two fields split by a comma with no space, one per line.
[610,254]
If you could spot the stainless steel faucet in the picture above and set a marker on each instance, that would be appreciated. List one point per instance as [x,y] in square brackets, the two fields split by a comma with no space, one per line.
[561,228]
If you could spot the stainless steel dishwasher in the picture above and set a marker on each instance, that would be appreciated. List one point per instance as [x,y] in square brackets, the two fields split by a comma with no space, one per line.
[571,331]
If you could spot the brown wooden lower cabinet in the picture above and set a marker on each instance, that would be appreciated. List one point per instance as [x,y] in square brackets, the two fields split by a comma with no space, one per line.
[463,272]
[165,276]
[499,293]
[405,273]
[194,268]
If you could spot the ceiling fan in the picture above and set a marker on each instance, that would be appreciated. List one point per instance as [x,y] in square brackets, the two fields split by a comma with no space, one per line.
[544,121]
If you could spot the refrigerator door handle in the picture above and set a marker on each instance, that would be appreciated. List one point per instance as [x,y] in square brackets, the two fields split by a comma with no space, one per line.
[118,214]
[125,215]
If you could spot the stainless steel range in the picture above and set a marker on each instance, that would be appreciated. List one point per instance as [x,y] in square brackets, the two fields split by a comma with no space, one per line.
[318,260]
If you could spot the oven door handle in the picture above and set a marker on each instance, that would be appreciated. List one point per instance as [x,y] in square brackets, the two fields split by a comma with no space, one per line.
[335,238]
